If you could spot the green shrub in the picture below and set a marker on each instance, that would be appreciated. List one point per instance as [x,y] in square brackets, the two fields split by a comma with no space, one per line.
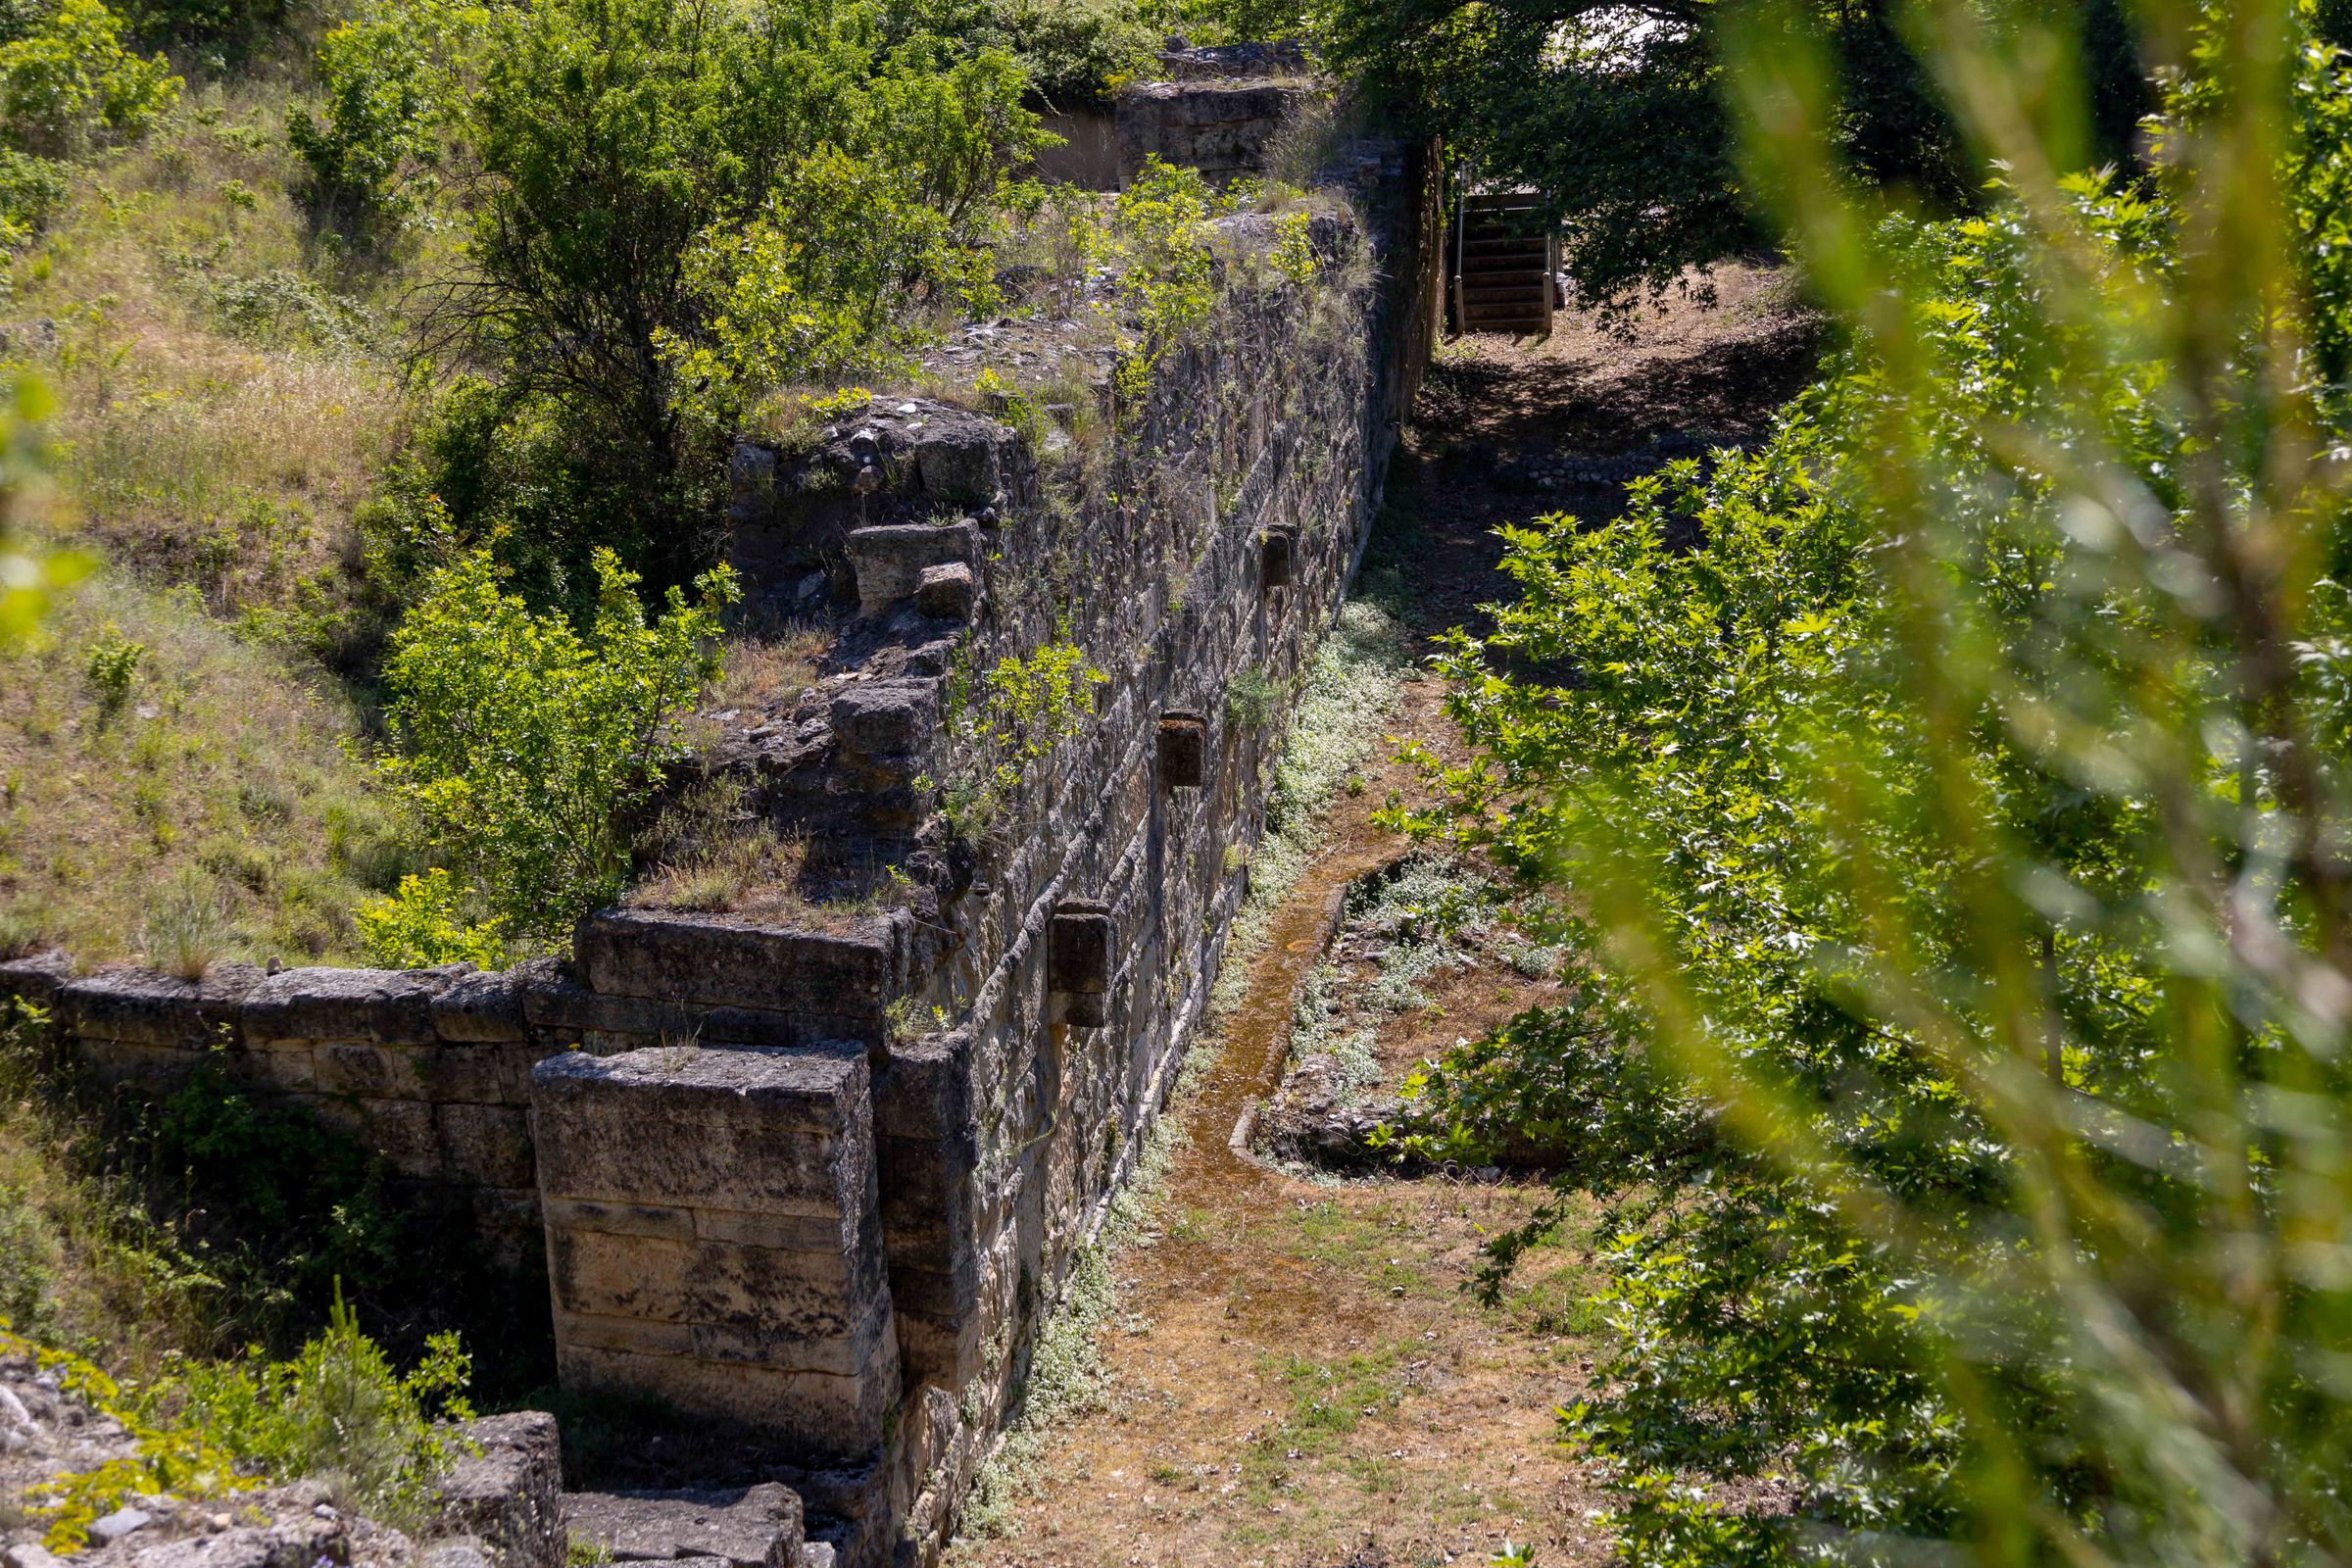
[338,1411]
[422,925]
[69,84]
[1927,1025]
[633,257]
[388,89]
[112,664]
[521,739]
[1252,699]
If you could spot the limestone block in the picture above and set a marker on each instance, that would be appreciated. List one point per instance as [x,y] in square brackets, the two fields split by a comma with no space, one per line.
[926,1190]
[148,1008]
[924,1090]
[820,1413]
[485,1073]
[290,1065]
[757,1131]
[34,979]
[1183,750]
[948,593]
[1080,961]
[381,1072]
[486,1007]
[378,1007]
[402,1131]
[620,1219]
[507,1492]
[754,1527]
[959,463]
[486,1143]
[889,560]
[726,961]
[887,717]
[809,1309]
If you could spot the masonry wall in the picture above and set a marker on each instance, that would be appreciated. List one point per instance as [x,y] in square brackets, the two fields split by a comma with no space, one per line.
[821,1174]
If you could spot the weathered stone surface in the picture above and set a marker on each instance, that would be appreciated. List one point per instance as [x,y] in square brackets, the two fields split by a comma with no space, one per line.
[890,559]
[752,1131]
[486,1143]
[34,979]
[726,961]
[484,1007]
[379,1007]
[887,718]
[947,593]
[381,1072]
[508,1493]
[1221,127]
[754,1527]
[144,1007]
[819,1414]
[810,1308]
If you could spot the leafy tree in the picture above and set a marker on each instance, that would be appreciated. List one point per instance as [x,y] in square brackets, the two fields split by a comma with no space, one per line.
[390,86]
[1614,114]
[69,85]
[522,739]
[1949,845]
[630,149]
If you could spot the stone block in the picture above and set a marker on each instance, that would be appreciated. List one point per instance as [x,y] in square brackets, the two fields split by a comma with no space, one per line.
[376,1007]
[482,1007]
[486,1143]
[948,1352]
[752,1527]
[726,961]
[147,1008]
[811,1310]
[889,561]
[620,1219]
[508,1490]
[1080,961]
[959,464]
[378,1072]
[290,1065]
[402,1131]
[887,717]
[35,978]
[949,592]
[482,1073]
[924,1090]
[755,1131]
[926,1190]
[820,1414]
[1183,750]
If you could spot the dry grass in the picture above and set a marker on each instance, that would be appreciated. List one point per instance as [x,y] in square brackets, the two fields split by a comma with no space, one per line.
[768,666]
[227,387]
[227,390]
[217,815]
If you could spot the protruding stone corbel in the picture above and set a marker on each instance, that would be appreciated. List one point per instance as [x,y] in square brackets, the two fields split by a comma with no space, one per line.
[1183,750]
[1278,550]
[1078,962]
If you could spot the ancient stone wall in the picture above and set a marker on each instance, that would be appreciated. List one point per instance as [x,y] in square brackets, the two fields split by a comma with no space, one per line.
[819,1167]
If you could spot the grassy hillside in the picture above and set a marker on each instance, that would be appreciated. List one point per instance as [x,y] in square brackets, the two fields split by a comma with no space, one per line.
[227,394]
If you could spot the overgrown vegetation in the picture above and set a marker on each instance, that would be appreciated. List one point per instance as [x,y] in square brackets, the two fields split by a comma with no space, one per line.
[1944,849]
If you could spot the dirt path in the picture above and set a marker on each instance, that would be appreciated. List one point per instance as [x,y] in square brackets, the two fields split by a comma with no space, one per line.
[1296,1375]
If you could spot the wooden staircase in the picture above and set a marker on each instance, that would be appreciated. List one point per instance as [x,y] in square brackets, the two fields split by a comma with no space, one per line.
[1503,268]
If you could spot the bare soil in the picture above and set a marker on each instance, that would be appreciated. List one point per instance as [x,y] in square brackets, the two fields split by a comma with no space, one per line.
[1299,1374]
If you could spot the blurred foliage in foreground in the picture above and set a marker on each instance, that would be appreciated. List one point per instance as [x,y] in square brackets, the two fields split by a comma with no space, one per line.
[1955,838]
